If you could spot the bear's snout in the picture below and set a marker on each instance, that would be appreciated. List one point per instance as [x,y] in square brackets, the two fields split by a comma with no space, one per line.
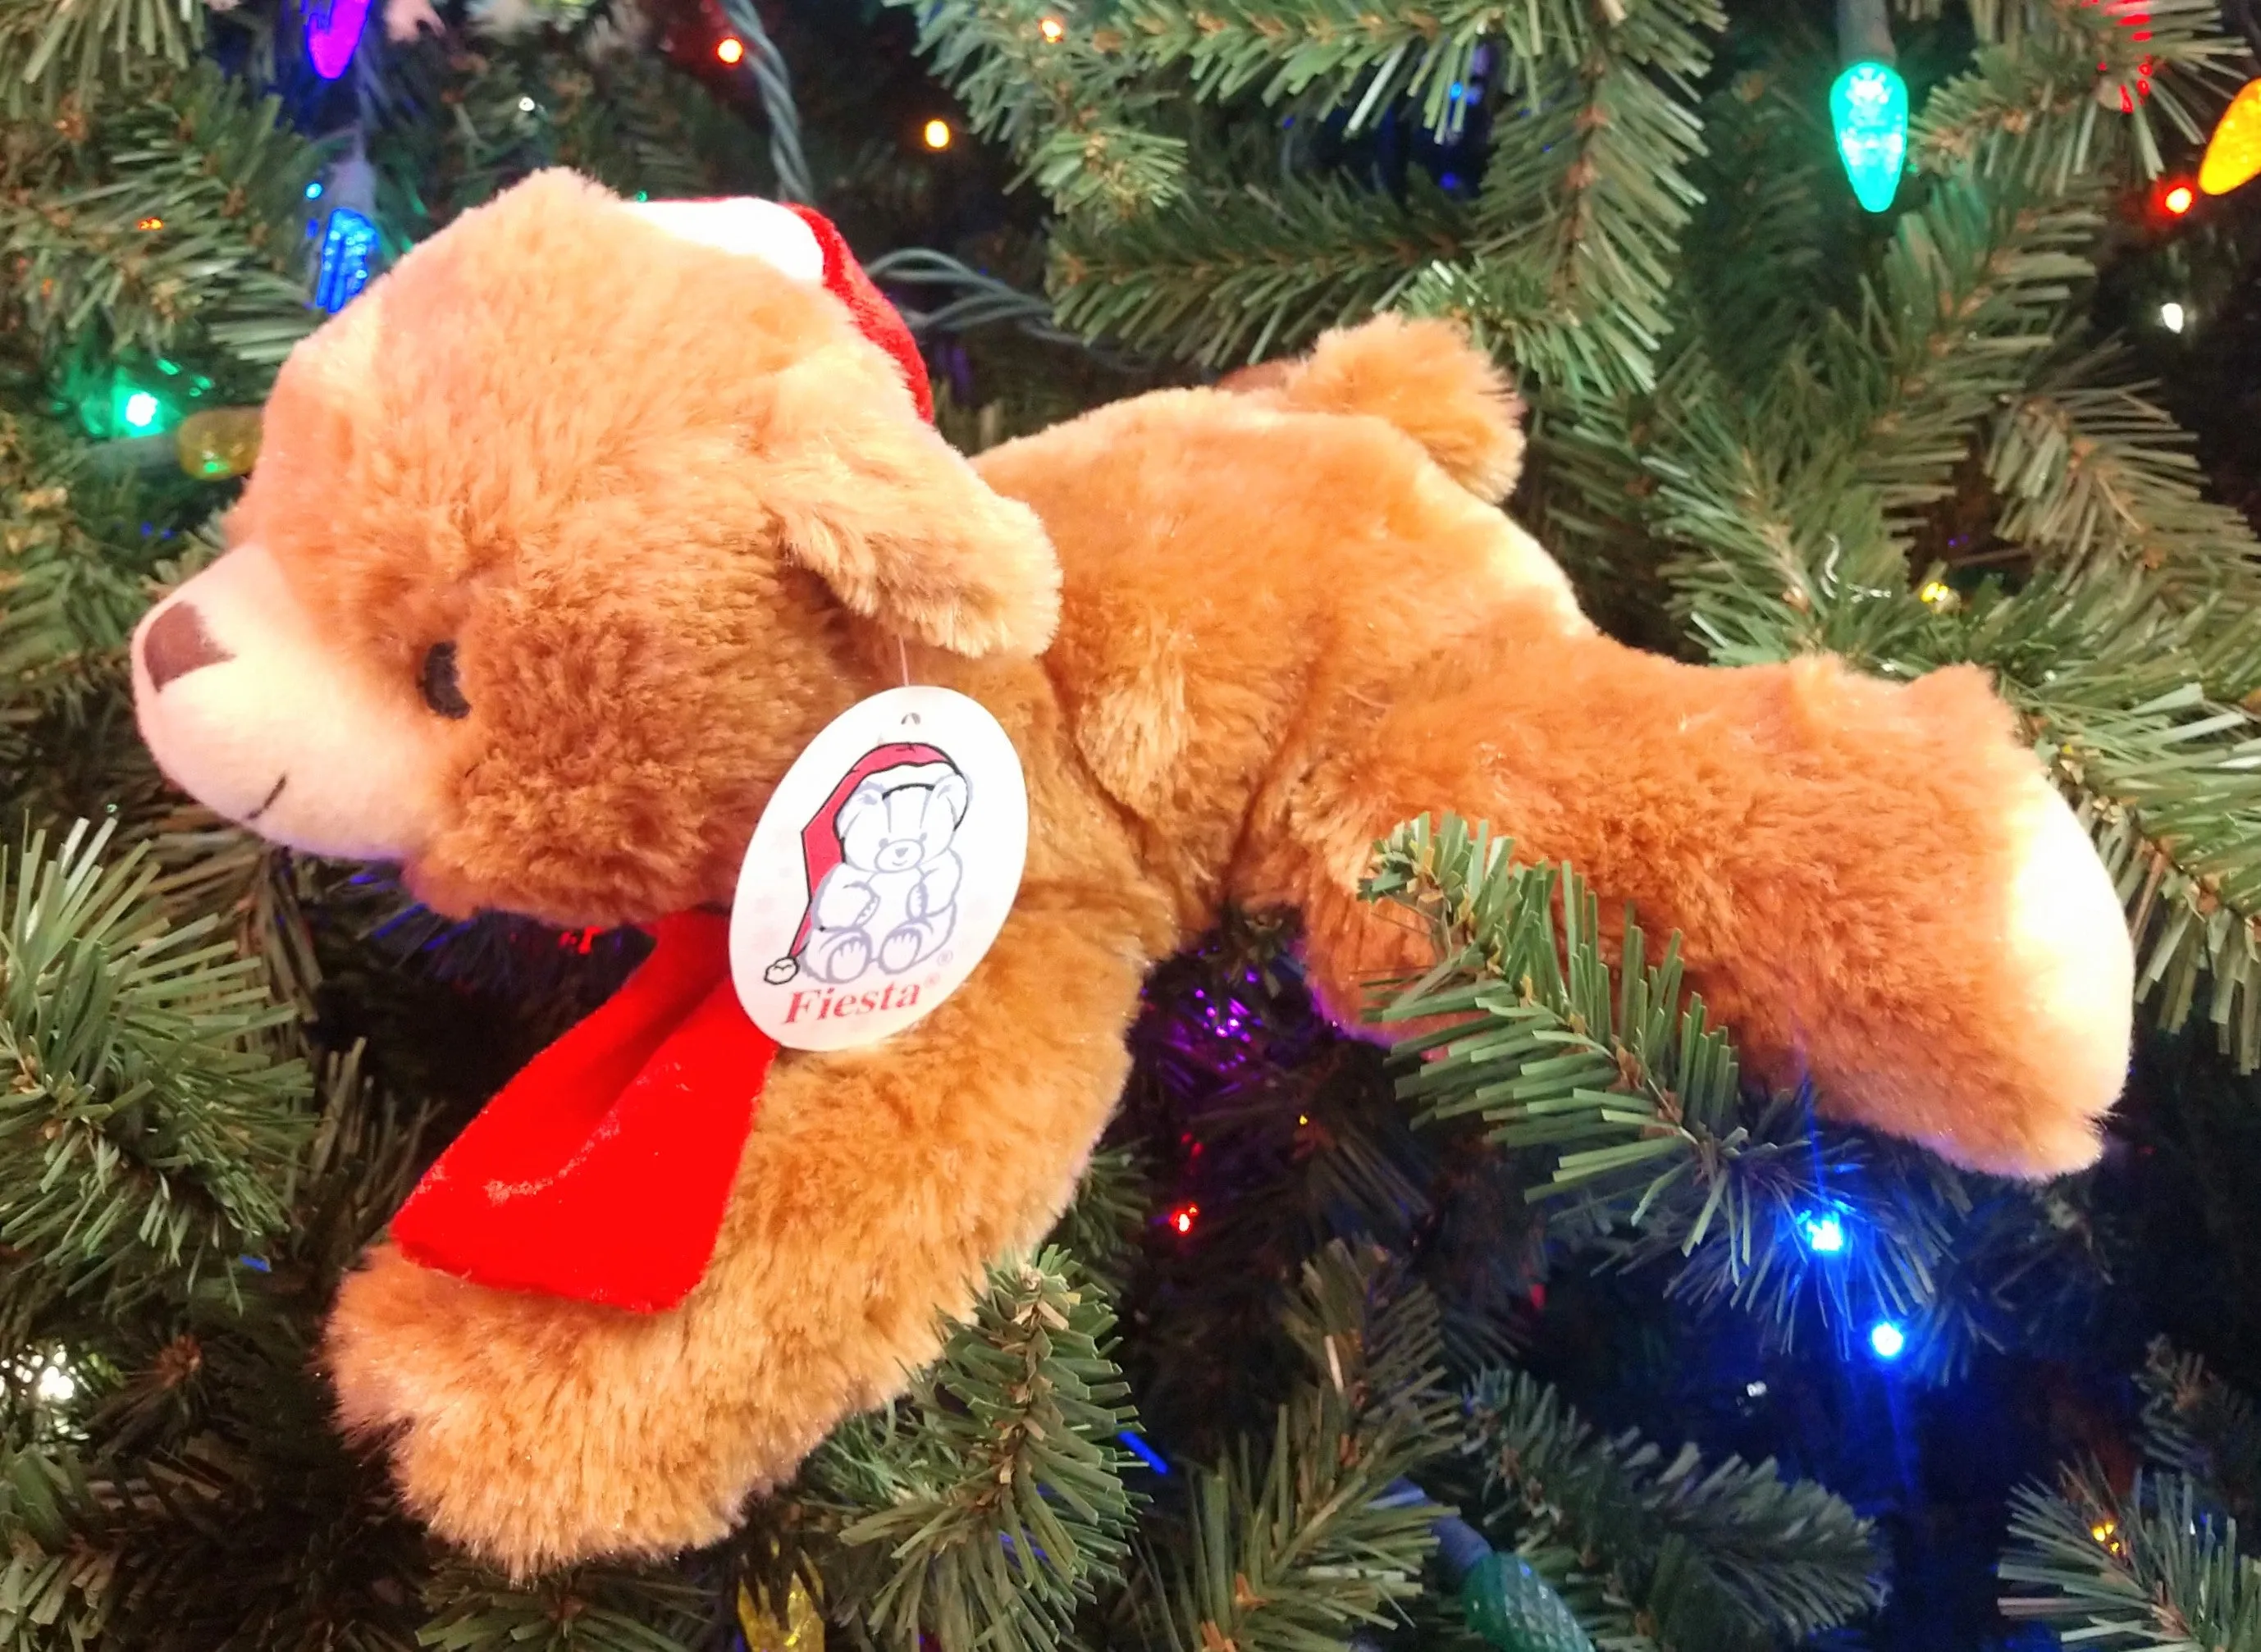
[253,708]
[176,642]
[902,855]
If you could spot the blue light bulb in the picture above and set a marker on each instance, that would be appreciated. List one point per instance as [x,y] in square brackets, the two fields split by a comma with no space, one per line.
[1869,110]
[349,258]
[1887,1338]
[1144,1452]
[1824,1234]
[314,191]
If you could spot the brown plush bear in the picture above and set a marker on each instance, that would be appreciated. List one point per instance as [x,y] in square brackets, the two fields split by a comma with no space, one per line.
[573,531]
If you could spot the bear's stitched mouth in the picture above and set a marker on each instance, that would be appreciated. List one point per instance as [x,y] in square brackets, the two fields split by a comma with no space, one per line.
[274,792]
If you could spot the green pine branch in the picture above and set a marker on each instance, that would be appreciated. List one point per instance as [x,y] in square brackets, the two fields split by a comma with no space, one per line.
[1270,1100]
[1252,273]
[2029,108]
[1102,1228]
[2197,1426]
[1779,545]
[214,1507]
[1908,1214]
[177,214]
[1790,511]
[62,51]
[1763,257]
[61,1578]
[2151,1569]
[67,596]
[1074,89]
[186,1489]
[1061,93]
[365,1155]
[2090,471]
[1586,193]
[2177,803]
[1614,1076]
[257,892]
[1970,293]
[1726,1556]
[1295,1542]
[585,1609]
[1542,1042]
[152,1128]
[1334,53]
[468,124]
[1618,1074]
[989,1506]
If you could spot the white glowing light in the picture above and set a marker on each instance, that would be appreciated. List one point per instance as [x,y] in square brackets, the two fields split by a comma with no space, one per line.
[55,1384]
[2171,316]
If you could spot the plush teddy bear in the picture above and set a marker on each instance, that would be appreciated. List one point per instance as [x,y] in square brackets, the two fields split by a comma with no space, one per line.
[578,526]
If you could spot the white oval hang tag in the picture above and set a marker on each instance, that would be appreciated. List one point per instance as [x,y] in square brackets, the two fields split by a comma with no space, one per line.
[880,872]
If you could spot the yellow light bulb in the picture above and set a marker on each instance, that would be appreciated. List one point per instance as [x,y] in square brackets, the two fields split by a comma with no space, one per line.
[217,442]
[937,135]
[2233,155]
[1936,592]
[1053,30]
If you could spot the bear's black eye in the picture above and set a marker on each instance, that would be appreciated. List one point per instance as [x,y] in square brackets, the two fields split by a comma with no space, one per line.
[442,692]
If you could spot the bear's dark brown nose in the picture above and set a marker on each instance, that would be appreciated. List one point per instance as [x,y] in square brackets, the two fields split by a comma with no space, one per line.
[176,644]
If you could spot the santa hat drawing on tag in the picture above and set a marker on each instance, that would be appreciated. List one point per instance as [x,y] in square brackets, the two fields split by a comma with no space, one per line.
[891,767]
[804,245]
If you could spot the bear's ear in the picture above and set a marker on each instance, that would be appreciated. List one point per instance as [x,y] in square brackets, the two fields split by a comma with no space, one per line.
[951,793]
[868,496]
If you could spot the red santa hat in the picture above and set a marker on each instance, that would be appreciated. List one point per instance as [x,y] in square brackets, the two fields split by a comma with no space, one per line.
[803,244]
[905,763]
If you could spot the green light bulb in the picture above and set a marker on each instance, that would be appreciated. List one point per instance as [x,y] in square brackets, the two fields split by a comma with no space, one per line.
[1869,107]
[141,410]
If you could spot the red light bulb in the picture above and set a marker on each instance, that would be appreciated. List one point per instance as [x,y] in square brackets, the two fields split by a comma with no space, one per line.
[730,49]
[1182,1217]
[2180,200]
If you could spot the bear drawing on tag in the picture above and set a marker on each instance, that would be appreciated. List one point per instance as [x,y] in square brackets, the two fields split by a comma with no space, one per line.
[883,879]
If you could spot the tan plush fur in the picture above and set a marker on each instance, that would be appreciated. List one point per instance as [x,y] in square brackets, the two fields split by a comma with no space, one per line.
[676,516]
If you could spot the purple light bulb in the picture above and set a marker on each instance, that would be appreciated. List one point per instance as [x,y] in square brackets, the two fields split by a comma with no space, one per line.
[332,31]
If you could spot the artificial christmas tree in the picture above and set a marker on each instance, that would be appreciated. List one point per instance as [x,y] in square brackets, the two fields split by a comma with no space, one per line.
[1310,1360]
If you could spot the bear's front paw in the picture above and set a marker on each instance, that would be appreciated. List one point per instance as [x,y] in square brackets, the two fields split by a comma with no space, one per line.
[533,1431]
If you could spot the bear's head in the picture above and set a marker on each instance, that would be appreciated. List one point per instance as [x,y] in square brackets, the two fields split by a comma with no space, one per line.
[902,819]
[564,539]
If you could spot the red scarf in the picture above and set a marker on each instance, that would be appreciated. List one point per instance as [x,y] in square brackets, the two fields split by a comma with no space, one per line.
[602,1171]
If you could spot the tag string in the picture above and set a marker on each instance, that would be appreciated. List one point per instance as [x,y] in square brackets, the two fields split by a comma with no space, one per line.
[904,654]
